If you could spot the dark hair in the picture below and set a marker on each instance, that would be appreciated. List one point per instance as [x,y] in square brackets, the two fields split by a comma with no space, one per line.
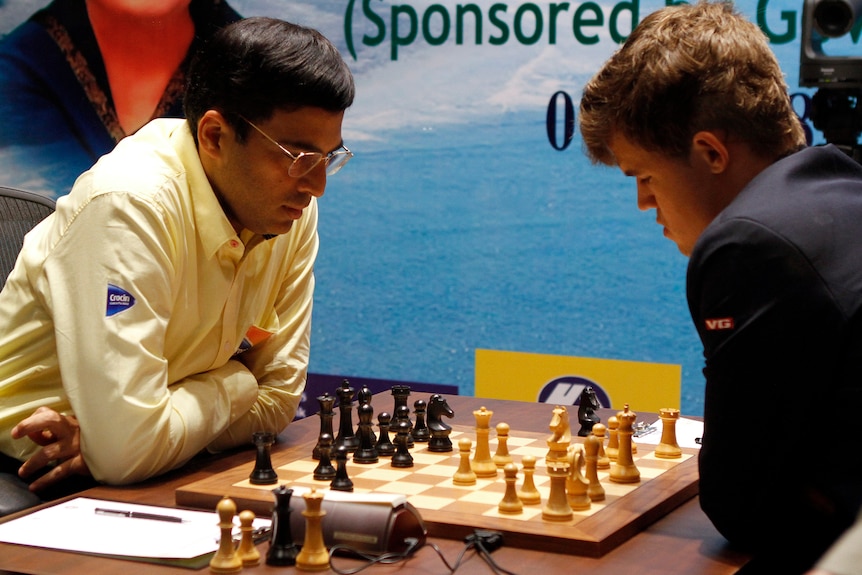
[257,65]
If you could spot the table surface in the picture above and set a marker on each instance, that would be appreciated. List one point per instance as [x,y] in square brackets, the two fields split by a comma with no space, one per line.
[683,542]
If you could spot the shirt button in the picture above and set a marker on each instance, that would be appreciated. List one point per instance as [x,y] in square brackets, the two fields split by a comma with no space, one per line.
[234,244]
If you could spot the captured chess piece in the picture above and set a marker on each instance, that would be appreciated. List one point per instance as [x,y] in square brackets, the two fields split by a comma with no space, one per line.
[313,556]
[587,406]
[510,502]
[226,559]
[502,457]
[247,550]
[263,473]
[282,549]
[624,470]
[668,448]
[385,447]
[437,408]
[464,475]
[483,463]
[324,471]
[341,482]
[326,403]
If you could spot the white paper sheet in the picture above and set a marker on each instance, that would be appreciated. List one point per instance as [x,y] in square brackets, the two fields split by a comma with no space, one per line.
[75,526]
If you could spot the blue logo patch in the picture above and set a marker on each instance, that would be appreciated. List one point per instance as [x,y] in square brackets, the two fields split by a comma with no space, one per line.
[118,300]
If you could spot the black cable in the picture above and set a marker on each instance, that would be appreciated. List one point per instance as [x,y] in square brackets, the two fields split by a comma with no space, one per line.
[483,542]
[385,558]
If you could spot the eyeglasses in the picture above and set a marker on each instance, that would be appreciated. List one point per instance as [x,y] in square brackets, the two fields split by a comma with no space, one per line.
[304,162]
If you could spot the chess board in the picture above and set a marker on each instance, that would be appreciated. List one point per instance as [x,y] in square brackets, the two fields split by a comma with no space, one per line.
[452,511]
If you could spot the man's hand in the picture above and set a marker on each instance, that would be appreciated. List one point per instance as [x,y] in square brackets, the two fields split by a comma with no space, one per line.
[59,435]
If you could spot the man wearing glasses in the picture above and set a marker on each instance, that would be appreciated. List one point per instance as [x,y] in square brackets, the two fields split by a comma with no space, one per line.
[165,308]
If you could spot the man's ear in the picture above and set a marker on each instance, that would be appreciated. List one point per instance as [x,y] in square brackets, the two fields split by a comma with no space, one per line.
[212,129]
[710,149]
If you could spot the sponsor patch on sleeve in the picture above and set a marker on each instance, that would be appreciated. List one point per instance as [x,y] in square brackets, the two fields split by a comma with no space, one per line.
[118,300]
[718,323]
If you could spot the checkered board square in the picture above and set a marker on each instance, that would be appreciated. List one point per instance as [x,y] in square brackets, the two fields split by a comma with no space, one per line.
[453,511]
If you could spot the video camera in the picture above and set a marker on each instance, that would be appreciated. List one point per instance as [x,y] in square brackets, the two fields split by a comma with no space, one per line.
[836,106]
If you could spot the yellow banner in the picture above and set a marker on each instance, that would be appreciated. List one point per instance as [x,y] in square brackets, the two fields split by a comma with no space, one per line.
[560,379]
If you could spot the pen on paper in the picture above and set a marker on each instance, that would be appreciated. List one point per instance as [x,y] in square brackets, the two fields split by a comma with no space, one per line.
[138,515]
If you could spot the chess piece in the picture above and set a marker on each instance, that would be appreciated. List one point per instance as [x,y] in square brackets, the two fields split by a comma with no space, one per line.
[528,494]
[603,461]
[464,475]
[385,447]
[282,549]
[557,506]
[225,559]
[402,456]
[366,451]
[502,456]
[613,438]
[483,465]
[362,397]
[324,471]
[510,502]
[668,448]
[400,410]
[402,415]
[346,436]
[624,470]
[326,402]
[440,430]
[341,482]
[577,485]
[263,473]
[247,551]
[421,433]
[592,445]
[587,406]
[313,556]
[561,435]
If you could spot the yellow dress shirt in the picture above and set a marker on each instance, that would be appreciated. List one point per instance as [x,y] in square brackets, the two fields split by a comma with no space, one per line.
[137,308]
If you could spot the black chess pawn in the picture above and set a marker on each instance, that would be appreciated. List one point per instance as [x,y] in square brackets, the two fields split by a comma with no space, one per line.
[385,447]
[366,452]
[263,473]
[326,402]
[346,435]
[325,470]
[362,397]
[282,549]
[420,432]
[341,482]
[402,456]
[402,414]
